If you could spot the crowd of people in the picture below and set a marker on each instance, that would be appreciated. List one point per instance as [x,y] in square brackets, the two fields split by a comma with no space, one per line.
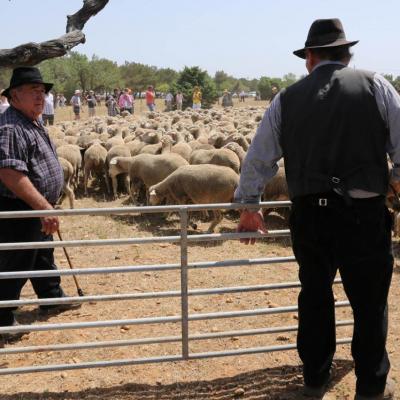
[123,100]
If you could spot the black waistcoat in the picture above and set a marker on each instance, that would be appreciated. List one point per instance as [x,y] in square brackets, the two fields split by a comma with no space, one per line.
[333,134]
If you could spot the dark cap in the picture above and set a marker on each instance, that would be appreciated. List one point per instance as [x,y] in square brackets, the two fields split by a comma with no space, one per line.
[325,33]
[24,75]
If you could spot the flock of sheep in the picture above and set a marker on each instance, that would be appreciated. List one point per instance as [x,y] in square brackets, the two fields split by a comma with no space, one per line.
[180,157]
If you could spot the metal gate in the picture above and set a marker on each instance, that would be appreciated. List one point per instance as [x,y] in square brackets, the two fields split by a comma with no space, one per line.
[183,266]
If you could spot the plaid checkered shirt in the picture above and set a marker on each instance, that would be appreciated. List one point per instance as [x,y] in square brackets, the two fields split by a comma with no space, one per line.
[27,148]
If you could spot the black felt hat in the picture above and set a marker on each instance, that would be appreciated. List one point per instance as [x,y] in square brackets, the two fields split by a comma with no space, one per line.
[23,75]
[325,33]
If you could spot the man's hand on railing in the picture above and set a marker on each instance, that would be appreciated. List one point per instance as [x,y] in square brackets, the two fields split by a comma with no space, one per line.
[251,221]
[50,224]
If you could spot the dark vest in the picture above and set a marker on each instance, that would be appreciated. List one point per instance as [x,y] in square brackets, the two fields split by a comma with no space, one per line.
[333,135]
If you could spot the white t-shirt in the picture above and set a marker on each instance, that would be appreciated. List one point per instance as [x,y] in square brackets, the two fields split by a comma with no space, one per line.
[48,104]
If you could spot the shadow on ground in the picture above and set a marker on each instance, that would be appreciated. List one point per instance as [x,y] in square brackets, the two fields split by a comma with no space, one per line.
[280,383]
[162,225]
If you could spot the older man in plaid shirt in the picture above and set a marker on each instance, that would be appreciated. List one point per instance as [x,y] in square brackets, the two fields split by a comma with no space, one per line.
[31,178]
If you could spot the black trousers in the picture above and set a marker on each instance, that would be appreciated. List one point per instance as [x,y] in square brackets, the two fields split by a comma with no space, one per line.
[24,230]
[356,239]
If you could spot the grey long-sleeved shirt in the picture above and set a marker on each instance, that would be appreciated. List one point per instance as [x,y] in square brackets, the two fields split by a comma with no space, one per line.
[260,164]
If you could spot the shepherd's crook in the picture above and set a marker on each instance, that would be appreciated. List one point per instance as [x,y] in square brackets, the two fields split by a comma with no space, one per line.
[78,288]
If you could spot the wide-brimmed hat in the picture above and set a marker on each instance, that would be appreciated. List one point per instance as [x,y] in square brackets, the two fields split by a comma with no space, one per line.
[325,33]
[24,75]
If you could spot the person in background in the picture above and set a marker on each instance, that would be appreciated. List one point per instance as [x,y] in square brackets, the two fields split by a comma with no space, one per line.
[63,100]
[126,101]
[31,178]
[3,102]
[197,97]
[91,103]
[116,94]
[112,107]
[76,103]
[150,98]
[179,101]
[274,92]
[226,99]
[169,98]
[48,111]
[242,96]
[334,129]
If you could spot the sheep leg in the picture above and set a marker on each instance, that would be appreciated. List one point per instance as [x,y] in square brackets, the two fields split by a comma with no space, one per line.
[127,180]
[105,174]
[114,181]
[76,180]
[70,193]
[217,219]
[85,179]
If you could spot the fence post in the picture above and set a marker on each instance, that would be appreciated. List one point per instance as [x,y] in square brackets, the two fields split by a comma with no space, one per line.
[184,283]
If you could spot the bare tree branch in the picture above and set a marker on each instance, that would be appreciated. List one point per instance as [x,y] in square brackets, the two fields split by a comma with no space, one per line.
[29,54]
[79,19]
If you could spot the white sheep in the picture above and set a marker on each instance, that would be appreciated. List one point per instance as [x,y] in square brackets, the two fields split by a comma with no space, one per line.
[71,153]
[197,184]
[68,178]
[224,157]
[117,151]
[147,169]
[95,162]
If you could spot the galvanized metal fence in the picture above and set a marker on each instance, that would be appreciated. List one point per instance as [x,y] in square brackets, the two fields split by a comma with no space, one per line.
[184,293]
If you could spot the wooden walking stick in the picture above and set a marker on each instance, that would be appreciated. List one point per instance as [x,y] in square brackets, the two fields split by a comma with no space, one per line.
[78,288]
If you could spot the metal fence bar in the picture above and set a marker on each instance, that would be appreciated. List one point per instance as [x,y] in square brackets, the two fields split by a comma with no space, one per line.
[184,284]
[150,295]
[142,210]
[157,340]
[157,320]
[144,268]
[139,361]
[146,240]
[252,313]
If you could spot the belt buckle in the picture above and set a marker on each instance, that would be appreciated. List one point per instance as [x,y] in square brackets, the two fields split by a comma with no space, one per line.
[323,202]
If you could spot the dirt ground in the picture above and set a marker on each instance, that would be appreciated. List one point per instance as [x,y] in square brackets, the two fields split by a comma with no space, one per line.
[262,376]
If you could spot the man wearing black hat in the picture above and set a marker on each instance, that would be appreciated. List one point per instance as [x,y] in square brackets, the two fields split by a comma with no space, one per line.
[334,129]
[31,178]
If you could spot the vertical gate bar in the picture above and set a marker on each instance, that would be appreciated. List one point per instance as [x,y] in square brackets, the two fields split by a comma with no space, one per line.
[184,283]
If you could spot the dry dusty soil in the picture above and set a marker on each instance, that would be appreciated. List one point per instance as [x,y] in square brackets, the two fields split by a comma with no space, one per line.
[261,376]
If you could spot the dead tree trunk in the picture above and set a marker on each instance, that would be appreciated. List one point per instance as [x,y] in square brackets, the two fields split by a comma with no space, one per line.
[29,54]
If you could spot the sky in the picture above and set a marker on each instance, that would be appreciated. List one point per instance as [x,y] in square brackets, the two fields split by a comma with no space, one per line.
[244,38]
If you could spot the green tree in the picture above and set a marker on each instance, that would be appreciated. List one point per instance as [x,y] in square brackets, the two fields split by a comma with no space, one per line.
[265,88]
[138,76]
[221,79]
[163,88]
[191,77]
[165,76]
[104,75]
[289,79]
